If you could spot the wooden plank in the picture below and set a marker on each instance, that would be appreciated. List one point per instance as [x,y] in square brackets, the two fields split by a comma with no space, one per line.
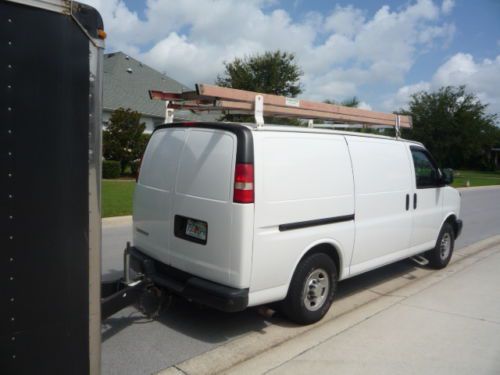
[272,110]
[281,101]
[164,95]
[304,113]
[211,98]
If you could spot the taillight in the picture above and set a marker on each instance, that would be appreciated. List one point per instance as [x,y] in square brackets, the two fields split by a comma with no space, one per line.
[243,183]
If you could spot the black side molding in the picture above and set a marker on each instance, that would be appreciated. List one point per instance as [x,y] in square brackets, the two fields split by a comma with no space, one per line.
[314,223]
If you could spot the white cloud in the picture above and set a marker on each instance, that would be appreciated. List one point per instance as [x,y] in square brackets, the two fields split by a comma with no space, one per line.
[480,77]
[364,105]
[340,51]
[402,96]
[345,21]
[447,6]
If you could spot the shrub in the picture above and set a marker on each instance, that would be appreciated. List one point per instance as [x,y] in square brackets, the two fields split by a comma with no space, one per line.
[111,169]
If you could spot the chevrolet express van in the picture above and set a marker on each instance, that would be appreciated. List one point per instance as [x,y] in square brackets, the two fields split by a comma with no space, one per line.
[234,215]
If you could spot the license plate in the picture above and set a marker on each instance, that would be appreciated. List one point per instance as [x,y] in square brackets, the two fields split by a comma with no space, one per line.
[196,229]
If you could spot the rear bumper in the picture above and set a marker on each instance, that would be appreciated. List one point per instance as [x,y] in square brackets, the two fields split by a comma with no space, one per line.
[193,288]
[460,225]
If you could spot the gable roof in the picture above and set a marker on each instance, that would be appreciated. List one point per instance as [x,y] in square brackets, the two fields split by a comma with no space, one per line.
[126,83]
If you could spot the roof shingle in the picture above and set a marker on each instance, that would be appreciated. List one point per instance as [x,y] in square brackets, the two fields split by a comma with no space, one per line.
[127,81]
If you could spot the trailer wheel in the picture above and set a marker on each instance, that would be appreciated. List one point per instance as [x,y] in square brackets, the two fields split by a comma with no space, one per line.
[312,289]
[440,256]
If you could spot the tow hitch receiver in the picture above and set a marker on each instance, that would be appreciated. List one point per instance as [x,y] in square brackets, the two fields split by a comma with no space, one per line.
[120,293]
[116,295]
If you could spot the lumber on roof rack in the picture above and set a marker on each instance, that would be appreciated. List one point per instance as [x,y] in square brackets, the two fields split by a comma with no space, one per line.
[216,98]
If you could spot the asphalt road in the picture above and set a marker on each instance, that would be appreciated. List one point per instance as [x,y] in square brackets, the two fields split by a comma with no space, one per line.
[135,345]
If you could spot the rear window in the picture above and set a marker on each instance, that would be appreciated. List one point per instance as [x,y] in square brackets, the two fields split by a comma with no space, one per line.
[159,163]
[206,165]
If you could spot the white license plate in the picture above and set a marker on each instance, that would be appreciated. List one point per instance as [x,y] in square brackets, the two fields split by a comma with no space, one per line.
[196,229]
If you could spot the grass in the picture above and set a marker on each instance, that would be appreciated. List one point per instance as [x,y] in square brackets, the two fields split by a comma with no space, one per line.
[117,197]
[117,194]
[475,178]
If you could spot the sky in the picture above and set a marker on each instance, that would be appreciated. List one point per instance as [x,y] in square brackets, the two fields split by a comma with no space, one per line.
[379,51]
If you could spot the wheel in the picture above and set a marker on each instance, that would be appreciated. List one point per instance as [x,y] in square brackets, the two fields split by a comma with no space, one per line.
[312,289]
[440,256]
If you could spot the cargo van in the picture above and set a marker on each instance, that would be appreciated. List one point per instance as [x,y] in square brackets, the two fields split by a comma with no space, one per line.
[236,215]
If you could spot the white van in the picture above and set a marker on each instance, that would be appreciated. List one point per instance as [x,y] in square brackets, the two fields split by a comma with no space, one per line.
[234,215]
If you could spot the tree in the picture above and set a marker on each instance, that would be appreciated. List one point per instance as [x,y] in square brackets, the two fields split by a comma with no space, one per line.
[454,126]
[123,139]
[271,73]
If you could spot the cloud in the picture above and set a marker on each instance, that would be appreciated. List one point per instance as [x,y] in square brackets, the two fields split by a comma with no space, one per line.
[480,77]
[341,51]
[402,96]
[447,6]
[345,21]
[364,105]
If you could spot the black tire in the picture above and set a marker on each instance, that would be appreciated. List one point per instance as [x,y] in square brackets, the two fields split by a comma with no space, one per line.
[440,256]
[320,273]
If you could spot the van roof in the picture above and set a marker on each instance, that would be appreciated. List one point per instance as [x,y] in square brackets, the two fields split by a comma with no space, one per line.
[287,128]
[301,129]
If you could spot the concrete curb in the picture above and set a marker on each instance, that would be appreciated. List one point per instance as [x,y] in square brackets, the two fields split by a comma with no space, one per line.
[116,220]
[487,187]
[232,356]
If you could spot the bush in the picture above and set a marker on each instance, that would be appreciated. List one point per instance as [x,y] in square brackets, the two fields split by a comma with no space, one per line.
[111,169]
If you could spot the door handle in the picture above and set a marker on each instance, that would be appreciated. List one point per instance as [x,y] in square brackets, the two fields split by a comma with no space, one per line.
[415,201]
[407,202]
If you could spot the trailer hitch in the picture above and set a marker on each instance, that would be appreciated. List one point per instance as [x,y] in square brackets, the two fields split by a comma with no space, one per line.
[116,295]
[122,292]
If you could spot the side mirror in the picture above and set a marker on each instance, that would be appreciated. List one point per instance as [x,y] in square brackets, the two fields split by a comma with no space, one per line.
[447,176]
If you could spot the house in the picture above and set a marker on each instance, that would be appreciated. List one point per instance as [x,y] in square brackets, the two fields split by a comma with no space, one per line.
[126,82]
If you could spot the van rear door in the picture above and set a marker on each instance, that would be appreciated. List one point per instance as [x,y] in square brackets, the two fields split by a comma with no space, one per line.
[183,206]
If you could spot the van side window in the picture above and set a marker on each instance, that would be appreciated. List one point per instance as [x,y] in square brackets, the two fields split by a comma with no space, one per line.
[426,172]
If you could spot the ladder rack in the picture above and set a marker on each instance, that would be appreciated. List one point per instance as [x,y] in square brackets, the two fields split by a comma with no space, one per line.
[216,98]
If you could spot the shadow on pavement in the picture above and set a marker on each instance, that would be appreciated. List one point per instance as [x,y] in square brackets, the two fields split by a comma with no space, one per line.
[212,326]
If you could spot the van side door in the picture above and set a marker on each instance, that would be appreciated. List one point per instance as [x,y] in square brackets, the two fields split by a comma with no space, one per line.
[382,179]
[426,200]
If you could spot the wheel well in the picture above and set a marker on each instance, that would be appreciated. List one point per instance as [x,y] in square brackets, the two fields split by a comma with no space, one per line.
[452,219]
[327,249]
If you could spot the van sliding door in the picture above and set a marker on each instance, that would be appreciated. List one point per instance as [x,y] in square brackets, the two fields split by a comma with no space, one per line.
[382,178]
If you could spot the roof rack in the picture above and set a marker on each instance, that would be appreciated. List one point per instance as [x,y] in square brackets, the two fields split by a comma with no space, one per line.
[216,98]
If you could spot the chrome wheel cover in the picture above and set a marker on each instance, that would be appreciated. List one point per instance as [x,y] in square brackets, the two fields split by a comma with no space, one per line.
[445,246]
[316,289]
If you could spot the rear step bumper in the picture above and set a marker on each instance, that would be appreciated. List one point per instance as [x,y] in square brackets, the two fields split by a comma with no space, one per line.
[193,288]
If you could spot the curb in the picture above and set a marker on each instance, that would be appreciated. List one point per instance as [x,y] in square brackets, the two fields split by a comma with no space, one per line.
[487,187]
[116,220]
[235,353]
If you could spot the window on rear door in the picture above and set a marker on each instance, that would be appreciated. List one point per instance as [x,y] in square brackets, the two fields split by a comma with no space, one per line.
[426,173]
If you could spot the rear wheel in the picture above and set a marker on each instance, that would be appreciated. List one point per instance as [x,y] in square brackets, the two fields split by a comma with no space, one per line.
[312,289]
[440,256]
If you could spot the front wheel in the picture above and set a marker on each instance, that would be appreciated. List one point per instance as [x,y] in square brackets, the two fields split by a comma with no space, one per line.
[440,256]
[312,289]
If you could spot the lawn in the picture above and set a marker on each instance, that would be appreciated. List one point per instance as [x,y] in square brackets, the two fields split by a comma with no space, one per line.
[475,178]
[117,197]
